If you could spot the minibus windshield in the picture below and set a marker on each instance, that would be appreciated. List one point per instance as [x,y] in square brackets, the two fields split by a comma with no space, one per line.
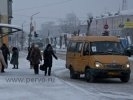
[106,47]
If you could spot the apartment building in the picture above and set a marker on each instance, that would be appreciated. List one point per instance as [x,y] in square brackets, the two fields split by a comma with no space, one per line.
[118,23]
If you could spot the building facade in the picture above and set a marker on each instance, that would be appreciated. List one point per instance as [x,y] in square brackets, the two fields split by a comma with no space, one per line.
[117,24]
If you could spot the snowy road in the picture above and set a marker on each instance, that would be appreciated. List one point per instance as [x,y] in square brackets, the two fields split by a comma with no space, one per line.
[109,89]
[22,84]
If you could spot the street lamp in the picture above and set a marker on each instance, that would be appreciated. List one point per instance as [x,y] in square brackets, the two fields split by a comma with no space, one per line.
[31,27]
[1,32]
[22,41]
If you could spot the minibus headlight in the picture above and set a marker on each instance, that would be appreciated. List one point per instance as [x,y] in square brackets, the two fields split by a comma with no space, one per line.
[127,65]
[98,64]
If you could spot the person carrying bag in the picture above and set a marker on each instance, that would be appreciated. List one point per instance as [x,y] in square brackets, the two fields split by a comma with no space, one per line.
[42,67]
[47,55]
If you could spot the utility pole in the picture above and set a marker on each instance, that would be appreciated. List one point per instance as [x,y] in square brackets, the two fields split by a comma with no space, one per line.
[22,37]
[124,5]
[1,31]
[31,28]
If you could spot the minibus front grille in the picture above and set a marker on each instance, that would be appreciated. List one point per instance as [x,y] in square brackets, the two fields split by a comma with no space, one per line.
[113,66]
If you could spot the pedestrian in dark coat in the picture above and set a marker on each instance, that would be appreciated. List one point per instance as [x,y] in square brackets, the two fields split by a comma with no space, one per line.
[36,58]
[29,53]
[2,61]
[47,55]
[6,53]
[14,58]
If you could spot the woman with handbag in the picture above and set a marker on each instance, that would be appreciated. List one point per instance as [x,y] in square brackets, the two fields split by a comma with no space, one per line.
[14,59]
[47,55]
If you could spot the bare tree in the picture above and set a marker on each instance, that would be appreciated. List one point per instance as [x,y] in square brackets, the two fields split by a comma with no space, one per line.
[47,28]
[65,39]
[60,41]
[70,24]
[89,21]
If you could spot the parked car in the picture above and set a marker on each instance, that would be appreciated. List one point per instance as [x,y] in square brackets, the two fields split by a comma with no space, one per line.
[129,50]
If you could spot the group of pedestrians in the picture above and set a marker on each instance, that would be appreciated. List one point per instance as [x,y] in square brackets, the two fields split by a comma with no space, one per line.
[5,55]
[35,57]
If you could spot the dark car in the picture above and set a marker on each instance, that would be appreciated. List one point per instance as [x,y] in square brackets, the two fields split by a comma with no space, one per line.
[129,50]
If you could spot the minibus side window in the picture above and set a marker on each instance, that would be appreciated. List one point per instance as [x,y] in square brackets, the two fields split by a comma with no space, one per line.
[86,49]
[72,47]
[69,45]
[78,47]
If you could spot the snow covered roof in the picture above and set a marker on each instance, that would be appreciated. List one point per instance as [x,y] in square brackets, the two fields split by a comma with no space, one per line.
[10,26]
[13,28]
[114,14]
[127,12]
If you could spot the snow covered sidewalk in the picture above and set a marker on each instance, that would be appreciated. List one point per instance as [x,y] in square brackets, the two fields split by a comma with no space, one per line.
[22,84]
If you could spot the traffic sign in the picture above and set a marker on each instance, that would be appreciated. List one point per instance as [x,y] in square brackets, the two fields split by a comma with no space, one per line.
[106,26]
[128,25]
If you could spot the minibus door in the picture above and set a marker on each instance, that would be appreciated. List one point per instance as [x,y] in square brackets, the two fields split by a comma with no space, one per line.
[77,56]
[86,55]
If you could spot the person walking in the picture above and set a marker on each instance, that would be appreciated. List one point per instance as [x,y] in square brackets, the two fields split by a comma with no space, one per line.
[14,58]
[6,54]
[29,53]
[47,56]
[36,58]
[2,61]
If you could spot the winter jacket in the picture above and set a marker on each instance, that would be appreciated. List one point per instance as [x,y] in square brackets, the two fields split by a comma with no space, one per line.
[15,56]
[29,52]
[35,56]
[47,55]
[2,61]
[5,52]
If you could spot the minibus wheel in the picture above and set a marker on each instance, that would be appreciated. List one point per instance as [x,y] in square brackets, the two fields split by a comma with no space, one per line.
[73,75]
[88,76]
[125,78]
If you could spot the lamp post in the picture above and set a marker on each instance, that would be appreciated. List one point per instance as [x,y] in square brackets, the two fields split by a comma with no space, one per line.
[22,41]
[1,32]
[31,28]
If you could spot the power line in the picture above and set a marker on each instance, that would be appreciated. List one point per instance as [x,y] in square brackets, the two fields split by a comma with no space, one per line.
[22,15]
[48,5]
[41,17]
[124,5]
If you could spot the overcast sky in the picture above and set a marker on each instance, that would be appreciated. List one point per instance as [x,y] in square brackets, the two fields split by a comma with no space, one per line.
[53,10]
